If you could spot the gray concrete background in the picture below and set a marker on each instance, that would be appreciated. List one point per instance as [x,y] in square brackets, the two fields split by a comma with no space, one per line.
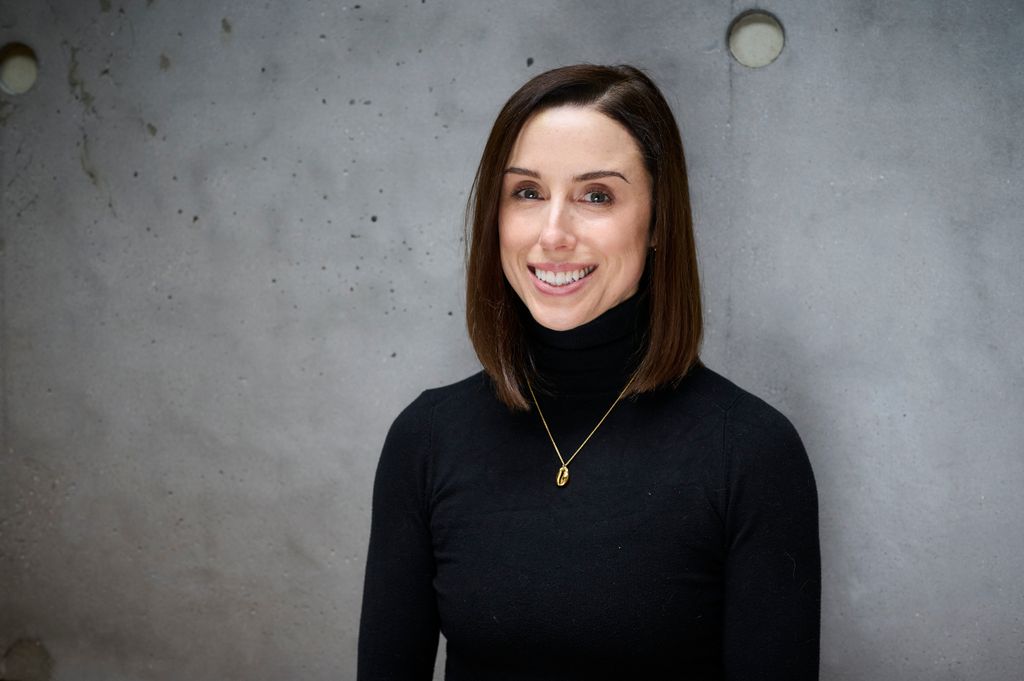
[231,253]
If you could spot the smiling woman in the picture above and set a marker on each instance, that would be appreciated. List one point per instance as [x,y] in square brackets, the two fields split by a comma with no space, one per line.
[686,543]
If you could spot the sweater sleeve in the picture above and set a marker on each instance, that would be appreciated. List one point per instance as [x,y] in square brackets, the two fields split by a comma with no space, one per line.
[773,567]
[398,630]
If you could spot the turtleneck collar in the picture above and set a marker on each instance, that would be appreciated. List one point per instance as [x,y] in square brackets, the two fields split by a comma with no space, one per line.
[595,358]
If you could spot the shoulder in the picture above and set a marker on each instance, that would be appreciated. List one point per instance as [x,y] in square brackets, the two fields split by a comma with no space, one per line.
[406,460]
[416,418]
[467,391]
[469,388]
[757,439]
[739,407]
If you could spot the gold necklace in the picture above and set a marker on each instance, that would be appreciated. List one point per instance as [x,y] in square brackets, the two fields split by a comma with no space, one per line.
[562,479]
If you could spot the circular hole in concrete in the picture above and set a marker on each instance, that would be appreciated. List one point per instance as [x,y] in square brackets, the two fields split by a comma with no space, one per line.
[18,68]
[756,38]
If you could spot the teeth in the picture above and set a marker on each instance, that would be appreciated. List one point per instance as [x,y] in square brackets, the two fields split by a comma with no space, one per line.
[562,278]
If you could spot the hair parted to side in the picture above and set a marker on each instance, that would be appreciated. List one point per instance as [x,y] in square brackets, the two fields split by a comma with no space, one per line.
[628,96]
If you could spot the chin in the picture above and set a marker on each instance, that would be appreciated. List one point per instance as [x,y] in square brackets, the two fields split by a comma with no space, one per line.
[558,320]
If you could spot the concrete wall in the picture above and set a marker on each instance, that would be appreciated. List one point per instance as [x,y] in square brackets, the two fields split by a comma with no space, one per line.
[231,253]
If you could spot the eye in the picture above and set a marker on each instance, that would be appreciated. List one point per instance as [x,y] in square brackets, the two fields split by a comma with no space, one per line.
[596,197]
[528,193]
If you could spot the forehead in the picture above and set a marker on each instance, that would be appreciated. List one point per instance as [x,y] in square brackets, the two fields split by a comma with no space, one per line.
[574,135]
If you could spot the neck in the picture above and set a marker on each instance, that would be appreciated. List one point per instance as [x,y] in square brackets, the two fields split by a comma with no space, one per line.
[596,358]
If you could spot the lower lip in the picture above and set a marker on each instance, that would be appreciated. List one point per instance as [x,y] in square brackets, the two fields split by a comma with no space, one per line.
[563,290]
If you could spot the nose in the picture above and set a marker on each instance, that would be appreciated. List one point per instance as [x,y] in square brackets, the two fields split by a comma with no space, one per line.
[557,232]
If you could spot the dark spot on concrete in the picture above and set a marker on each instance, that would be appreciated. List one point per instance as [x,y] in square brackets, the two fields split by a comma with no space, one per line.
[355,236]
[195,219]
[85,158]
[225,25]
[449,313]
[529,61]
[373,218]
[367,102]
[27,660]
[394,354]
[151,129]
[76,84]
[165,62]
[6,109]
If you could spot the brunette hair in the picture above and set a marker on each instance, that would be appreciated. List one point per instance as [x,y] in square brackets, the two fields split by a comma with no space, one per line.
[628,96]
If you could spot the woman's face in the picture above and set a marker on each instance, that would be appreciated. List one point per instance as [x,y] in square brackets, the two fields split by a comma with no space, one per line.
[574,216]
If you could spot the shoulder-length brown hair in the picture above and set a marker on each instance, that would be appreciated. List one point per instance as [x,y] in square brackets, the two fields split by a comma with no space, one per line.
[496,329]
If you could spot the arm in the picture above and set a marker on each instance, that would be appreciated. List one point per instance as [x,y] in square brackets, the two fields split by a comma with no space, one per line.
[399,626]
[773,567]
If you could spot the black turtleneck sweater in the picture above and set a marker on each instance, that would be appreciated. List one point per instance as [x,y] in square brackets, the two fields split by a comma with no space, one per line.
[685,545]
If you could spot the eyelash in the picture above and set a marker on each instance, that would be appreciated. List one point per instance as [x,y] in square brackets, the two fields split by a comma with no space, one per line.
[606,195]
[518,194]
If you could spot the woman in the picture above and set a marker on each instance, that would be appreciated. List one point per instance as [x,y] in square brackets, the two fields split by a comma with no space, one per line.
[680,539]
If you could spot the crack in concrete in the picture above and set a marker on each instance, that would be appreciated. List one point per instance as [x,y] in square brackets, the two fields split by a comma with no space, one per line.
[20,172]
[93,173]
[86,160]
[28,204]
[75,82]
[6,111]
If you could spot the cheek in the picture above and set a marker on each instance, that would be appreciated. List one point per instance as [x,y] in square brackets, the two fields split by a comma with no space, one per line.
[632,253]
[510,237]
[632,250]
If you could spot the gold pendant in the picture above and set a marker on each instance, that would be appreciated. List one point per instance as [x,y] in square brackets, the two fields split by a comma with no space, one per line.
[562,479]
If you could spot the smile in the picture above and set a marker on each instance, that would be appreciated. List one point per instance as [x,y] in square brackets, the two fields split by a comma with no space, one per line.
[562,278]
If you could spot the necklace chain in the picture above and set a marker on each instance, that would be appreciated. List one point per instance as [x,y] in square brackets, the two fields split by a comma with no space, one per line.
[563,473]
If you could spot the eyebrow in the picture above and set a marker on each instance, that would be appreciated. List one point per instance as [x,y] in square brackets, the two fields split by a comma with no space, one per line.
[585,177]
